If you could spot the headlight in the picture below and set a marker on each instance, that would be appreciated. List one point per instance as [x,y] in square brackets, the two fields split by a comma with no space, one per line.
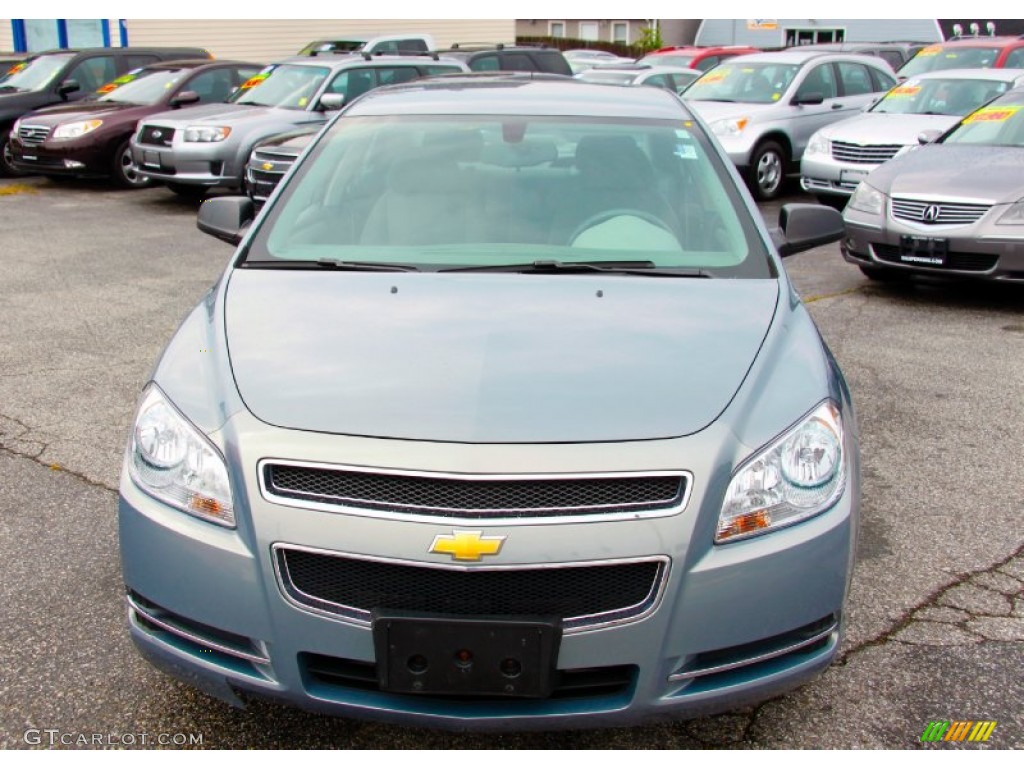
[867,199]
[172,461]
[1013,215]
[16,127]
[730,127]
[74,130]
[818,145]
[801,474]
[207,133]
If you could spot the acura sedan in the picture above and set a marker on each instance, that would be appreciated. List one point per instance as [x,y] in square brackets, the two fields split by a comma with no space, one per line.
[504,415]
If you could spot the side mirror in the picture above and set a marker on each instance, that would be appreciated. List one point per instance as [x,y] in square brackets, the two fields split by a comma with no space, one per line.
[226,218]
[929,136]
[803,226]
[332,102]
[808,99]
[185,98]
[68,86]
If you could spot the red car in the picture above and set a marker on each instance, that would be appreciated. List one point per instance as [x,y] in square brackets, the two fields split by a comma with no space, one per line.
[694,57]
[967,53]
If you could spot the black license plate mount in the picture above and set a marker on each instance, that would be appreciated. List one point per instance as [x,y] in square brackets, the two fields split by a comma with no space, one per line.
[456,656]
[930,251]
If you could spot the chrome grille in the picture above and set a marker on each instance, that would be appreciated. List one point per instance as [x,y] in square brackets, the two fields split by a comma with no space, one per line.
[263,180]
[872,154]
[581,594]
[473,496]
[33,135]
[935,212]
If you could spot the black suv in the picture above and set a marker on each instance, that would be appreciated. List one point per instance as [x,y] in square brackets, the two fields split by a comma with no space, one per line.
[53,77]
[518,58]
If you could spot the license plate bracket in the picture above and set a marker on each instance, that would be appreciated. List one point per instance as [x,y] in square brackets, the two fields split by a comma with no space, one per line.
[444,655]
[852,176]
[930,251]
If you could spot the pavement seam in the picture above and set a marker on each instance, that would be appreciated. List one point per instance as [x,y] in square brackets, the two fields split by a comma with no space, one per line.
[931,600]
[55,467]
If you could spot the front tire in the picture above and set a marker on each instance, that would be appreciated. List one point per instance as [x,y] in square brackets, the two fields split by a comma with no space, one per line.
[7,157]
[767,171]
[124,173]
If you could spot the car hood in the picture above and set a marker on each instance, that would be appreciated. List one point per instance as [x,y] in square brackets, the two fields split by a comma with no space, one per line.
[880,128]
[710,111]
[226,114]
[492,358]
[959,172]
[66,113]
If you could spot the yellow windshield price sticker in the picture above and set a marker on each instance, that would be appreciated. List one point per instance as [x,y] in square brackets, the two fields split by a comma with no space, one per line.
[993,114]
[904,90]
[17,68]
[255,80]
[715,76]
[930,50]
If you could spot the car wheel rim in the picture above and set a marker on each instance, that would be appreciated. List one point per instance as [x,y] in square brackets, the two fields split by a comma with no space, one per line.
[8,155]
[129,171]
[769,171]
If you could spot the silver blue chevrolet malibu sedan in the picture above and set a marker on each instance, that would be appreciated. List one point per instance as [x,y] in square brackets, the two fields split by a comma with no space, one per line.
[504,415]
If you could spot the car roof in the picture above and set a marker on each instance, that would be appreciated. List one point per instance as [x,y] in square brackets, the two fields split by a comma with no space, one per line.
[978,42]
[518,94]
[343,60]
[196,63]
[802,56]
[976,73]
[645,70]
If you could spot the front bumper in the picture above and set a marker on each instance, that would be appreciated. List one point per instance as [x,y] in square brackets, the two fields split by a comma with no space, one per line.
[977,251]
[209,164]
[62,158]
[824,175]
[732,624]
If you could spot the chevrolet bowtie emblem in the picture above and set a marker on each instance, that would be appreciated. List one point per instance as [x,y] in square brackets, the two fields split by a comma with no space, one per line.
[268,166]
[466,545]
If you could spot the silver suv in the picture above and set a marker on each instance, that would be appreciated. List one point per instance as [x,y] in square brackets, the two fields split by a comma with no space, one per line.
[209,146]
[764,107]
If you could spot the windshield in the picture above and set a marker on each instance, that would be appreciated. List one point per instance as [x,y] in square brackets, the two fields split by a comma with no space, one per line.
[445,192]
[945,96]
[37,73]
[667,60]
[330,46]
[613,78]
[289,86]
[143,86]
[934,58]
[746,83]
[998,124]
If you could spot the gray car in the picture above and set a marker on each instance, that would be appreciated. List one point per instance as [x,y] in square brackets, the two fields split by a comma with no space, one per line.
[950,209]
[672,78]
[841,155]
[210,145]
[765,107]
[504,415]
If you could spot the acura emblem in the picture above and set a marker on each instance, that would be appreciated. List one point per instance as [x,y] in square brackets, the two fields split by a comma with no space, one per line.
[931,213]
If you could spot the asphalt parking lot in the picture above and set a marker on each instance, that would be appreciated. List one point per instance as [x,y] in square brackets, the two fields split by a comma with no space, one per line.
[93,283]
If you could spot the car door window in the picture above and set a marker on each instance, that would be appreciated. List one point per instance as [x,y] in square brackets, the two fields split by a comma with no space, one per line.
[394,75]
[821,80]
[439,69]
[212,86]
[1016,59]
[352,83]
[856,79]
[485,64]
[517,62]
[93,72]
[883,80]
[893,58]
[659,81]
[412,46]
[705,64]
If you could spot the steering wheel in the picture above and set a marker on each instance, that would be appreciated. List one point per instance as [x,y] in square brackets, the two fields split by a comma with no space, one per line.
[603,216]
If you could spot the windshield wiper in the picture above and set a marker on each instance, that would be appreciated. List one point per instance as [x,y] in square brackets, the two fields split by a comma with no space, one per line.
[724,101]
[332,264]
[551,266]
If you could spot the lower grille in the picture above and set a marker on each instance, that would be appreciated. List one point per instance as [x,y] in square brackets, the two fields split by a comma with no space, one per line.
[474,497]
[937,213]
[569,683]
[156,135]
[582,595]
[955,260]
[263,183]
[33,135]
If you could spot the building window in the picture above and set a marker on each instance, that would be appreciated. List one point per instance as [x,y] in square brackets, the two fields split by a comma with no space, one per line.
[589,30]
[556,29]
[620,32]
